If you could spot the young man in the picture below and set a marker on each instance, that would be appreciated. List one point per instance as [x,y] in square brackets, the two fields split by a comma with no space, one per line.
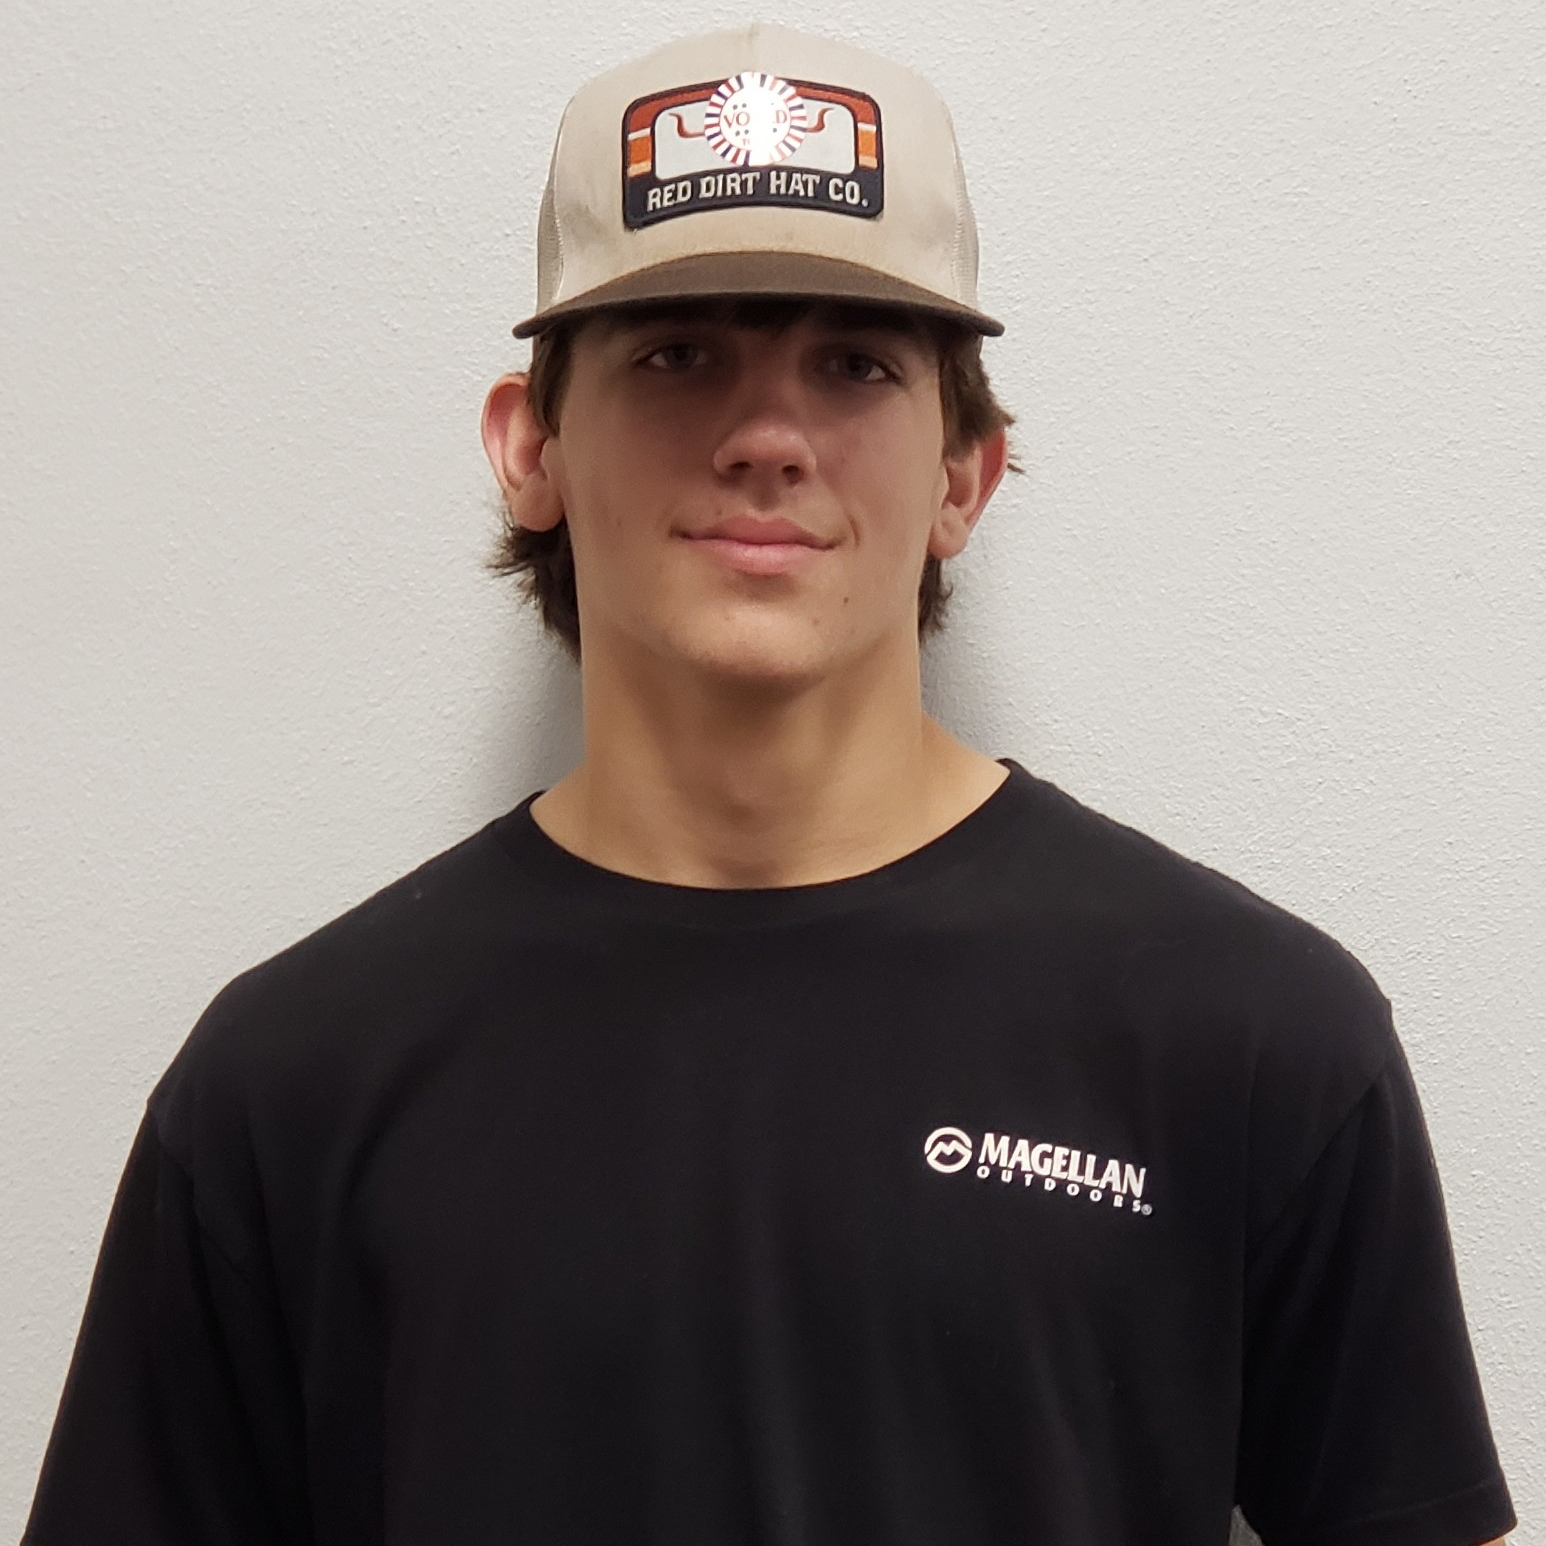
[793,1126]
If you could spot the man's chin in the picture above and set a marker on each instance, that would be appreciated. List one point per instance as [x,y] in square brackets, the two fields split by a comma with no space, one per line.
[772,661]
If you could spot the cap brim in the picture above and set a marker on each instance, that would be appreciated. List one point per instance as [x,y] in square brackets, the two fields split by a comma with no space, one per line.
[760,273]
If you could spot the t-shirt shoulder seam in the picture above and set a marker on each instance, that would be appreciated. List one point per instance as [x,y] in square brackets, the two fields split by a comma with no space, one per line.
[1205,873]
[343,930]
[1337,1129]
[205,1232]
[1218,888]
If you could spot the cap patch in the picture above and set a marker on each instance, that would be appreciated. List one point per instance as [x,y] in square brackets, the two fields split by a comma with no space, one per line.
[751,139]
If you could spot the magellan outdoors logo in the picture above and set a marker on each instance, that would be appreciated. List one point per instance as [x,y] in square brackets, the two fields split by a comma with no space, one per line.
[793,144]
[948,1149]
[1048,1167]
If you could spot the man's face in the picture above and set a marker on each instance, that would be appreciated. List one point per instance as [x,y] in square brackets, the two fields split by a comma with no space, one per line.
[673,423]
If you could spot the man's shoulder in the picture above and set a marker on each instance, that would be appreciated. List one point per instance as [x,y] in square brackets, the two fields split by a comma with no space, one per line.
[347,993]
[1161,899]
[1187,944]
[1252,1017]
[398,930]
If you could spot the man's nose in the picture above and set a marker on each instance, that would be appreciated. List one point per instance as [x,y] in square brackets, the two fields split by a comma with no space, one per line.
[766,434]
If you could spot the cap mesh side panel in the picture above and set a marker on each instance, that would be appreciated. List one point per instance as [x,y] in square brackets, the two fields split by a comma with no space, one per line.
[550,240]
[966,230]
[550,250]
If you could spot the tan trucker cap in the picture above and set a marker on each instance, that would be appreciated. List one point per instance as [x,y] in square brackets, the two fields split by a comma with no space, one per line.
[756,161]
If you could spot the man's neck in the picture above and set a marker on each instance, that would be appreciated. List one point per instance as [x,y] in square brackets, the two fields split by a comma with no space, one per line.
[747,813]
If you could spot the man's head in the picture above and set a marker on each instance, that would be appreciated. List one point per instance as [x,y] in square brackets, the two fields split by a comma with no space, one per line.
[945,402]
[756,286]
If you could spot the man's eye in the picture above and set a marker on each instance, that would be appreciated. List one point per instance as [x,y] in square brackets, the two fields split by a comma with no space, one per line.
[860,367]
[676,356]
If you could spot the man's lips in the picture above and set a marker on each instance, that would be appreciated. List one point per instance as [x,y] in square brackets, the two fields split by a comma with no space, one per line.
[762,557]
[751,529]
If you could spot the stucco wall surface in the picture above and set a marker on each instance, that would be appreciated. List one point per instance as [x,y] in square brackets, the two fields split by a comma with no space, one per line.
[1271,588]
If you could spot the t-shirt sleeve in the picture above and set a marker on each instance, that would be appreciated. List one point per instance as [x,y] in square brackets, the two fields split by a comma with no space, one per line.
[180,1420]
[1363,1422]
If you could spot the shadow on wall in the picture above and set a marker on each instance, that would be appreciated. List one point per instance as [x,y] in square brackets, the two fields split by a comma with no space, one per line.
[535,733]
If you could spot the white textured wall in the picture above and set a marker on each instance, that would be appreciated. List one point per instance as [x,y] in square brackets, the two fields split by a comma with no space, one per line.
[1272,588]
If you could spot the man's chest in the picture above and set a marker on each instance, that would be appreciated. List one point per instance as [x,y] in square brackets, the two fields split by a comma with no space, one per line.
[900,1230]
[920,1157]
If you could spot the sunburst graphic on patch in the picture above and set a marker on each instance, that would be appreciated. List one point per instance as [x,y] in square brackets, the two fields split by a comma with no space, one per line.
[753,138]
[754,119]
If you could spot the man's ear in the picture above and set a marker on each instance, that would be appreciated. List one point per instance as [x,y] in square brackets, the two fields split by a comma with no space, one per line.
[515,445]
[969,481]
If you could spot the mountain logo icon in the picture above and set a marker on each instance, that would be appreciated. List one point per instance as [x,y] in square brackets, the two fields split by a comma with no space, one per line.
[948,1149]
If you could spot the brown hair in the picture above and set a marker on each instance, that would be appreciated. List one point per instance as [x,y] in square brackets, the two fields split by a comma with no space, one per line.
[544,560]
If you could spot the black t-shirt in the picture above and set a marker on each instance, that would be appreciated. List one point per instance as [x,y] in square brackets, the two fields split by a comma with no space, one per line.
[1040,1186]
